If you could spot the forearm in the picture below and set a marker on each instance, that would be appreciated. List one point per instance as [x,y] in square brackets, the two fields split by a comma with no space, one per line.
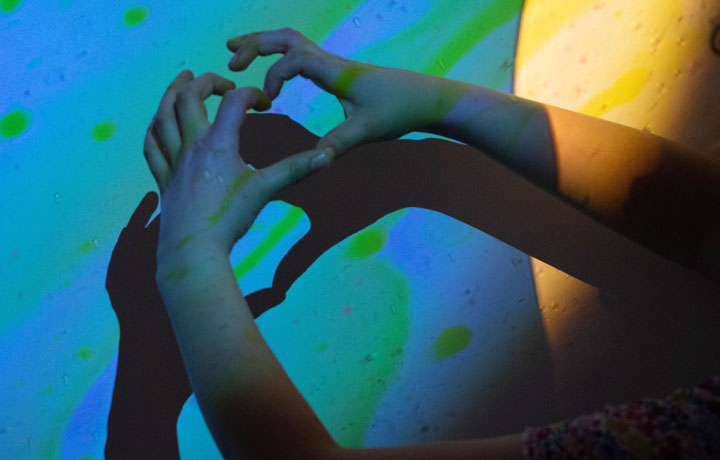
[249,403]
[660,194]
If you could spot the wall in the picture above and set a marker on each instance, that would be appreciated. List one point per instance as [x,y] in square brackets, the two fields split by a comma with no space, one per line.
[416,313]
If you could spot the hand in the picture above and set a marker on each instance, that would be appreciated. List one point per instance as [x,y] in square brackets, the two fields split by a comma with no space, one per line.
[209,196]
[380,103]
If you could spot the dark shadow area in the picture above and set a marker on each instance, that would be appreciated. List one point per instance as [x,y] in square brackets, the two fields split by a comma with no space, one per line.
[151,385]
[368,183]
[361,187]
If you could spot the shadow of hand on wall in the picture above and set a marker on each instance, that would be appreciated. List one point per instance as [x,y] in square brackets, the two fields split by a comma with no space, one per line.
[151,385]
[361,187]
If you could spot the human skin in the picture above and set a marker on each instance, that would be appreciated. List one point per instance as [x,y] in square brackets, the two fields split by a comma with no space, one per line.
[243,392]
[657,192]
[209,199]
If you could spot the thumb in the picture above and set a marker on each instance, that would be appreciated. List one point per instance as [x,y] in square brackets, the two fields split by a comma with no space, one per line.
[293,169]
[343,137]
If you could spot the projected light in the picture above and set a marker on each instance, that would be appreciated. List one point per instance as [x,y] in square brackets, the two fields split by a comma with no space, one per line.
[401,331]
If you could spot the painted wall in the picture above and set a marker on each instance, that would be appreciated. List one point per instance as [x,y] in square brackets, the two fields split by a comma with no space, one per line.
[408,319]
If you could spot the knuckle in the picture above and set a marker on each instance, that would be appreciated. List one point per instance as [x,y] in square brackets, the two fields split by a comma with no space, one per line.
[296,170]
[300,53]
[183,96]
[340,139]
[238,94]
[208,76]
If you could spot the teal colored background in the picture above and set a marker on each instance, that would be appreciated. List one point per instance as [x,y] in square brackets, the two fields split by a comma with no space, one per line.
[84,80]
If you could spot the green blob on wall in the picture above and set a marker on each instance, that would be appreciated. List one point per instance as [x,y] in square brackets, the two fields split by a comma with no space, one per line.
[14,123]
[87,246]
[7,6]
[451,341]
[104,130]
[136,14]
[367,243]
[85,353]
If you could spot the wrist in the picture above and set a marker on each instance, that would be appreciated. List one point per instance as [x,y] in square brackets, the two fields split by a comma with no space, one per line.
[444,98]
[177,263]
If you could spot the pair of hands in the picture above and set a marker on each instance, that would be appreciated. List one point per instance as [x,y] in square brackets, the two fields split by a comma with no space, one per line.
[209,194]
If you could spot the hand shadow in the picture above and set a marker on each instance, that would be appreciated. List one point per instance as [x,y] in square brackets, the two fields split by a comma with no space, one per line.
[372,181]
[151,385]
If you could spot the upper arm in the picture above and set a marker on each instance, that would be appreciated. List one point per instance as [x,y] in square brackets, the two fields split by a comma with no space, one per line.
[507,447]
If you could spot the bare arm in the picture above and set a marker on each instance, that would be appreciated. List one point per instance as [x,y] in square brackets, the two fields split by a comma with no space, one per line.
[249,403]
[661,194]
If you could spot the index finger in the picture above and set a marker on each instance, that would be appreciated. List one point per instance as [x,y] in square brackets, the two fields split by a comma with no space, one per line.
[190,106]
[247,47]
[231,114]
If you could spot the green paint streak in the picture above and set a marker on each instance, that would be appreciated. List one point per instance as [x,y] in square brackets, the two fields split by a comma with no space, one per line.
[14,123]
[86,247]
[451,341]
[252,336]
[322,347]
[49,390]
[451,95]
[136,14]
[483,23]
[367,243]
[104,130]
[178,274]
[215,218]
[341,86]
[85,353]
[277,233]
[315,20]
[348,406]
[87,457]
[7,6]
[49,442]
[186,240]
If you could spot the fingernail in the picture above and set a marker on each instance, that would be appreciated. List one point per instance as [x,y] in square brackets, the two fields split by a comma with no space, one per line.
[319,161]
[330,154]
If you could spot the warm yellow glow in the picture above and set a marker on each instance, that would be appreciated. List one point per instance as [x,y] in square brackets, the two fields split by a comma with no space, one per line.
[625,89]
[577,326]
[640,64]
[623,60]
[541,20]
[597,163]
[560,297]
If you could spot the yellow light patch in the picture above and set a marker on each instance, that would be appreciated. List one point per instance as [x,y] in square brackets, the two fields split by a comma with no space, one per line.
[541,20]
[619,60]
[625,89]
